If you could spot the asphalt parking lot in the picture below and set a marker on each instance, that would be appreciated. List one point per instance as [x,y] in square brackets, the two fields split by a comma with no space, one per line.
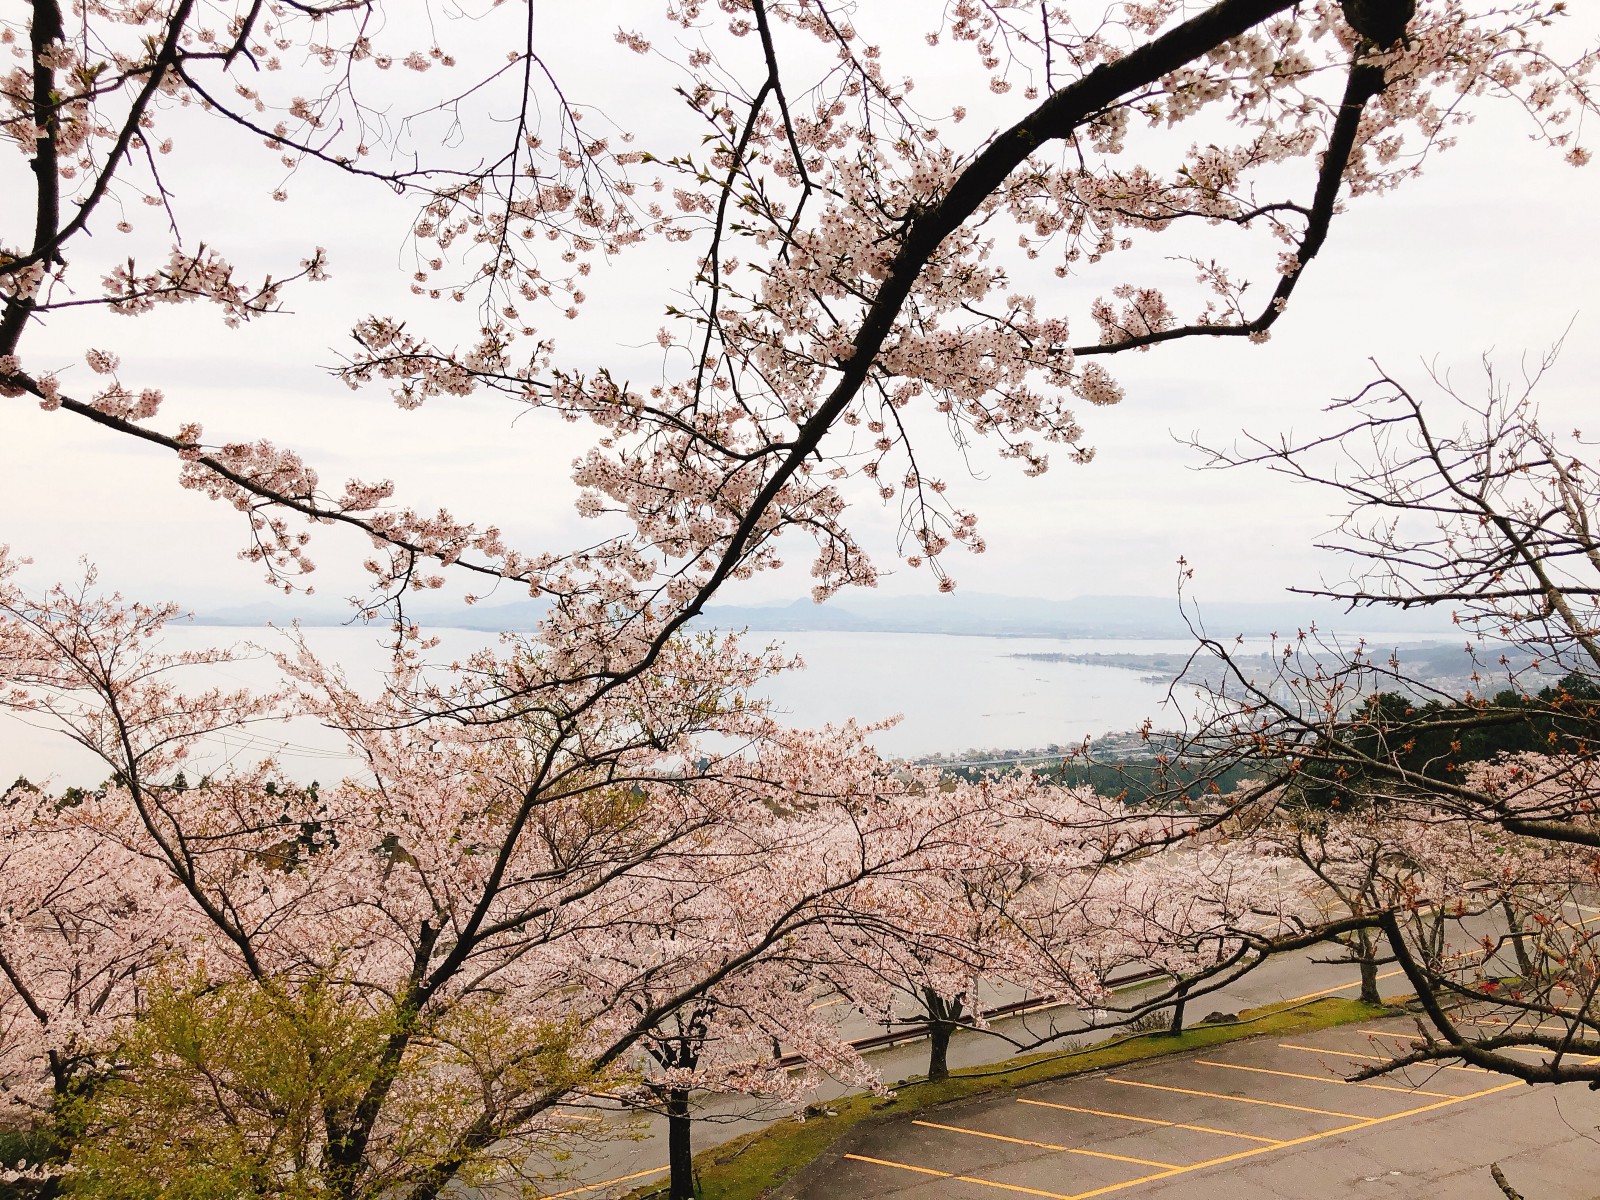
[1246,1120]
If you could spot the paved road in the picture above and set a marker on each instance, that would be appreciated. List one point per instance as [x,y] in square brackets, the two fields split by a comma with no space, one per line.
[1267,1118]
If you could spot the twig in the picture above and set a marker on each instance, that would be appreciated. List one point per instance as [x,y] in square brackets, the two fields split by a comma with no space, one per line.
[1500,1179]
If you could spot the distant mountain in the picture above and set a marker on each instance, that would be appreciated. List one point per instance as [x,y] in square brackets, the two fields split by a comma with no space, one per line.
[492,618]
[267,612]
[971,614]
[1081,617]
[1426,670]
[521,614]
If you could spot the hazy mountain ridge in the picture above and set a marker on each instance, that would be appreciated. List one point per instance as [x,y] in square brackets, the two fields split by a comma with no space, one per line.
[972,614]
[1425,670]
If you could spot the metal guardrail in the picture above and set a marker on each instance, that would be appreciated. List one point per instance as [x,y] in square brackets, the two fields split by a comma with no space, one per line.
[916,1030]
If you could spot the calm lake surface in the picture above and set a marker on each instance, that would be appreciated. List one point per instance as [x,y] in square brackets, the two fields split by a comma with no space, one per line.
[952,693]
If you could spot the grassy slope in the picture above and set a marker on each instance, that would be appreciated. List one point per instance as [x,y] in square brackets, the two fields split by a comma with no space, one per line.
[754,1164]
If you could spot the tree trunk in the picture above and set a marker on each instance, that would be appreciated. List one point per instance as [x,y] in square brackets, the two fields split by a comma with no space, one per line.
[1436,939]
[944,1016]
[680,1148]
[1518,940]
[1177,1010]
[1369,977]
[939,1033]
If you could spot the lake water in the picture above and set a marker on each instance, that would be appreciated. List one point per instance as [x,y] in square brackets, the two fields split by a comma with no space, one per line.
[953,694]
[956,694]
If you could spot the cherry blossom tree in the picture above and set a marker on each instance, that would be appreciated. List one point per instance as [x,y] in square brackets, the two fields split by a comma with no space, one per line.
[85,927]
[1462,812]
[1356,868]
[1450,884]
[742,1038]
[925,949]
[1177,903]
[707,1047]
[755,1031]
[1066,894]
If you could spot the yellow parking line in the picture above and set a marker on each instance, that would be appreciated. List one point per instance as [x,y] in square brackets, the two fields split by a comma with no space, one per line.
[1382,1087]
[590,1187]
[1364,1123]
[1541,1050]
[1161,1087]
[829,1003]
[1544,1050]
[1343,987]
[1000,1137]
[1380,1058]
[1412,1037]
[1359,1123]
[1515,1027]
[1355,983]
[1009,1187]
[1099,1112]
[889,1162]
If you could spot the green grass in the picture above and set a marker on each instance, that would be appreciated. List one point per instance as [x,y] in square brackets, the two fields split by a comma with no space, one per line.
[752,1165]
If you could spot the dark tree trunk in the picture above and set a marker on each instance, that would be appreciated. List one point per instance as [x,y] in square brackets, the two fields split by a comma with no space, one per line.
[1518,940]
[1369,977]
[680,1147]
[944,1017]
[1177,1010]
[1436,939]
[939,1049]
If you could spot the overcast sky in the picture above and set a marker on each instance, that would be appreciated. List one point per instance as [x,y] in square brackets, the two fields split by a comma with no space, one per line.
[1492,250]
